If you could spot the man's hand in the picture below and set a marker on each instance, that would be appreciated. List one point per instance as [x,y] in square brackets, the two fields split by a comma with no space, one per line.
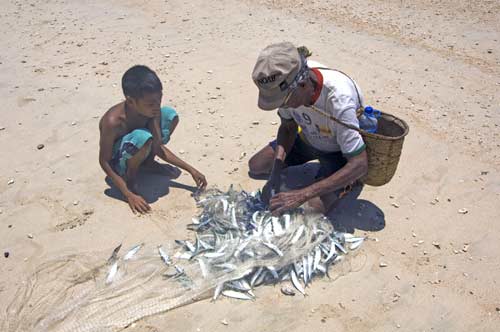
[286,200]
[199,179]
[138,204]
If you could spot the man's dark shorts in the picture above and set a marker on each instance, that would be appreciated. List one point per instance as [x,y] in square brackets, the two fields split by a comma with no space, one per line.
[301,153]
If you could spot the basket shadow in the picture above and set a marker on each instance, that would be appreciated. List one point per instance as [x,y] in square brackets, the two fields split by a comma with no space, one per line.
[152,186]
[350,212]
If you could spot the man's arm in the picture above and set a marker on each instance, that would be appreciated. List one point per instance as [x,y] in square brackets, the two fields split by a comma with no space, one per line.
[286,137]
[107,137]
[287,133]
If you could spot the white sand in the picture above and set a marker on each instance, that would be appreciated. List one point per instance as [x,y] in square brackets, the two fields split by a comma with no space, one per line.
[435,65]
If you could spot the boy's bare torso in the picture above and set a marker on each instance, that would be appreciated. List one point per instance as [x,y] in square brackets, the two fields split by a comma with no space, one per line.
[120,124]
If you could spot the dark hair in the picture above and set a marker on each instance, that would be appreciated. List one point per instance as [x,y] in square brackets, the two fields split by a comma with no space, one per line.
[139,80]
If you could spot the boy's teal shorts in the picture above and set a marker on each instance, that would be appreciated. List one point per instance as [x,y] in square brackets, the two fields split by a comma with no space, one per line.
[128,145]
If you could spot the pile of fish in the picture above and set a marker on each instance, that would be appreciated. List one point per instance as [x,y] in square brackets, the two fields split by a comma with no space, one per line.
[238,245]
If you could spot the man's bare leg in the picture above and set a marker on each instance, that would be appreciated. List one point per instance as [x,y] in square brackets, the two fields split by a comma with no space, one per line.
[261,163]
[134,163]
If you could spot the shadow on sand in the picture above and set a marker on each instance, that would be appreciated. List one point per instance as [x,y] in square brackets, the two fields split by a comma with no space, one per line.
[152,186]
[349,213]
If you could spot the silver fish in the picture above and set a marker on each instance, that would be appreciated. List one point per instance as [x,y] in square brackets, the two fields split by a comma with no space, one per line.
[237,295]
[256,275]
[203,268]
[273,272]
[338,245]
[163,255]
[296,282]
[317,258]
[132,252]
[356,245]
[112,273]
[217,291]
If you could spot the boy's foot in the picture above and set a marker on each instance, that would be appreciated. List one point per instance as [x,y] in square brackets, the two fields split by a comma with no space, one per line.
[162,169]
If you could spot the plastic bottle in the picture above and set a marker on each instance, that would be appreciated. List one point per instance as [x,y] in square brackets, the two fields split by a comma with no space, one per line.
[368,120]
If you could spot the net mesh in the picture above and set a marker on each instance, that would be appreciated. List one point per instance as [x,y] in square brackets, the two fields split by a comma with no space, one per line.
[236,243]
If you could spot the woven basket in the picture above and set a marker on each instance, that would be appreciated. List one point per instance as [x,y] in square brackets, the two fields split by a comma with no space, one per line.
[383,148]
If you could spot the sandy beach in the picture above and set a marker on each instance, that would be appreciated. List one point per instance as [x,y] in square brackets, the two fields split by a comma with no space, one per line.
[434,64]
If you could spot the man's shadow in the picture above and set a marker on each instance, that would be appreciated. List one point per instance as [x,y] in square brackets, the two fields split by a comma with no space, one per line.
[349,213]
[151,186]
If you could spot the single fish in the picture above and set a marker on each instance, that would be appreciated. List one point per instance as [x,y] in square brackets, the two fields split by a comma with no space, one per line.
[256,275]
[317,258]
[225,205]
[112,273]
[163,255]
[217,291]
[352,239]
[332,252]
[296,283]
[233,217]
[203,267]
[341,248]
[183,255]
[132,252]
[310,262]
[273,272]
[237,295]
[356,245]
[190,246]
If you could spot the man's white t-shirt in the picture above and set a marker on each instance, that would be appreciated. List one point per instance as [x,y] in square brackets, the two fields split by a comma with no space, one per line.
[338,98]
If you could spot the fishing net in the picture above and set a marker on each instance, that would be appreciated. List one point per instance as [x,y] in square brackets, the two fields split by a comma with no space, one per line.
[237,246]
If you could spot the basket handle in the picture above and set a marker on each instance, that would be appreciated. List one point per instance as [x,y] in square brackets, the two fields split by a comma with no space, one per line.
[359,111]
[331,117]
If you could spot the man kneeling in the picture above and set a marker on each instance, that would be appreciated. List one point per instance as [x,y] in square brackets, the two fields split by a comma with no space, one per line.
[307,95]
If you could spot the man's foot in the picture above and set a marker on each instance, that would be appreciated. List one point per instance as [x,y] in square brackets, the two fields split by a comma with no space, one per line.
[155,167]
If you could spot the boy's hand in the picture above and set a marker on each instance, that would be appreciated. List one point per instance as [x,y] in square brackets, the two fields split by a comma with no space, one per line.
[138,204]
[199,179]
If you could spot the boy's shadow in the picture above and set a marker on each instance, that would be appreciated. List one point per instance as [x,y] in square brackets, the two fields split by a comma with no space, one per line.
[350,212]
[152,186]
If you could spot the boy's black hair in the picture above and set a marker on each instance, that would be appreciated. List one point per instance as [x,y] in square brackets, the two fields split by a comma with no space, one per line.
[139,80]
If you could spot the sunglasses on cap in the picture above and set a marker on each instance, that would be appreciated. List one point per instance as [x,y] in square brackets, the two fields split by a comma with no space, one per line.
[300,77]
